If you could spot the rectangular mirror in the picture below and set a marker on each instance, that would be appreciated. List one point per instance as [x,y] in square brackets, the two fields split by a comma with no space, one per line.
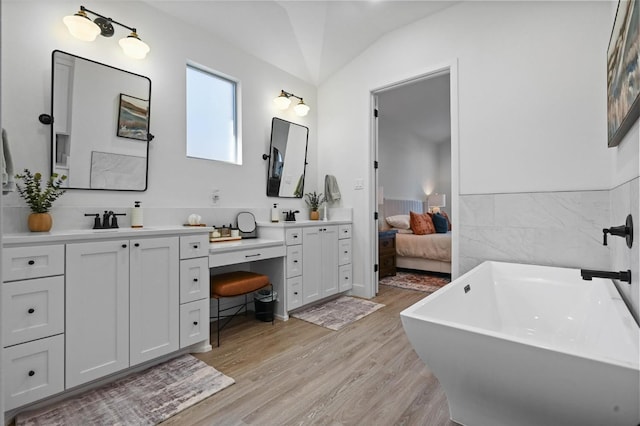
[100,129]
[287,159]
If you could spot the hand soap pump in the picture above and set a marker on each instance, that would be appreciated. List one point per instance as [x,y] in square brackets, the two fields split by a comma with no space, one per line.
[275,216]
[136,215]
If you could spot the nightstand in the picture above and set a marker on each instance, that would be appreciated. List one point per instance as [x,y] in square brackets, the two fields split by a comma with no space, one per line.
[387,253]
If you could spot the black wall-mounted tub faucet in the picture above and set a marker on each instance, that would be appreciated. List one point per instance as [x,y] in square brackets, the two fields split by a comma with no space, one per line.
[625,231]
[588,274]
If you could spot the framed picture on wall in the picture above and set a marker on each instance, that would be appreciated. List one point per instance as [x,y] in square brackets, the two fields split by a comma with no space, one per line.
[133,118]
[623,72]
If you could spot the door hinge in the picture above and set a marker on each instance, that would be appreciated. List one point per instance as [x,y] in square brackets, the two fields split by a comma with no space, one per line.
[375,268]
[375,164]
[375,112]
[375,215]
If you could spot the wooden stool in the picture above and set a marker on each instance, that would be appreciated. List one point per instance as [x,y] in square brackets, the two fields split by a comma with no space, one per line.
[232,284]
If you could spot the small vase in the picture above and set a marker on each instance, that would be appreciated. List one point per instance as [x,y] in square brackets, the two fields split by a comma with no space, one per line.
[314,215]
[40,222]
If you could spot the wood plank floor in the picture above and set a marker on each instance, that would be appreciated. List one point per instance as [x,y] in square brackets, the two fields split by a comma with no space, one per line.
[297,373]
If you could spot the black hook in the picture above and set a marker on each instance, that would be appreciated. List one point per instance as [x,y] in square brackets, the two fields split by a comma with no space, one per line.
[265,156]
[45,119]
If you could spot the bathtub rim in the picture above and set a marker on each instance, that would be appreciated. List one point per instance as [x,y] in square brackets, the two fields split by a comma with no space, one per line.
[627,319]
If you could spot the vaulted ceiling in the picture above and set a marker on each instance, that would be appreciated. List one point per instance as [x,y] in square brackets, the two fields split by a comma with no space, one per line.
[309,39]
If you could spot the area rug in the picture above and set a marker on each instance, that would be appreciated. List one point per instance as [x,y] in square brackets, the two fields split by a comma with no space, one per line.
[337,313]
[144,398]
[416,281]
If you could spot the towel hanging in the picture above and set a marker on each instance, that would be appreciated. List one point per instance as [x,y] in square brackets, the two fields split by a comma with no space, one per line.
[8,182]
[331,189]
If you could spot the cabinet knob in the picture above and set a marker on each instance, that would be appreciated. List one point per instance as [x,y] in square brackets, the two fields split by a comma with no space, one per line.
[295,292]
[124,246]
[195,280]
[195,246]
[31,373]
[295,261]
[31,262]
[136,245]
[195,323]
[31,310]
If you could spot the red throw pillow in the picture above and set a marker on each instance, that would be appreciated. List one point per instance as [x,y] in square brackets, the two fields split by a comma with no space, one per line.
[421,223]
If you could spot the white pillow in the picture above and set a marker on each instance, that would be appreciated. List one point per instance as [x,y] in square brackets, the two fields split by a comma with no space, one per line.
[400,221]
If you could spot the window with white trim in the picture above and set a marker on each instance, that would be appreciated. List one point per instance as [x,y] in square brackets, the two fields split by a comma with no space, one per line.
[212,116]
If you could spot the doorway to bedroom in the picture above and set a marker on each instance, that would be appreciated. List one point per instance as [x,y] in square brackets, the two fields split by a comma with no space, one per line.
[413,149]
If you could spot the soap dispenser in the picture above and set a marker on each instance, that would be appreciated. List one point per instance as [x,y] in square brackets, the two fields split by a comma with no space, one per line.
[136,215]
[275,216]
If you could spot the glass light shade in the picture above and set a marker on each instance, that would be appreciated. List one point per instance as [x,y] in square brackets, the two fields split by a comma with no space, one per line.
[81,27]
[134,47]
[301,109]
[282,101]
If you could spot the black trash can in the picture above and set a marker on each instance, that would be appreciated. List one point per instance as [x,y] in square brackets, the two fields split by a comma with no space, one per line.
[265,303]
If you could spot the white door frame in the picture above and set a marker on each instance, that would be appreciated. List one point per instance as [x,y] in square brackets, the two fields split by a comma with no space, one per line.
[452,68]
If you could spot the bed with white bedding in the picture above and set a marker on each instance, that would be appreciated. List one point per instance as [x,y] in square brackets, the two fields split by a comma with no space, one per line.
[431,252]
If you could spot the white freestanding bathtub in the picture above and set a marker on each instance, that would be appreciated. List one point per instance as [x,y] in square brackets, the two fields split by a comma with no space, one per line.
[530,345]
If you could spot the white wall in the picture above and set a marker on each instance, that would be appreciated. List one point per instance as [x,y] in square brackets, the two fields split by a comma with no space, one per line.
[532,106]
[408,164]
[174,180]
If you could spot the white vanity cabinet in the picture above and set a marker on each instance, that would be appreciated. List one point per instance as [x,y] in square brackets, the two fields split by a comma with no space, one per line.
[293,273]
[344,256]
[154,298]
[320,262]
[32,323]
[77,307]
[97,310]
[194,289]
[132,284]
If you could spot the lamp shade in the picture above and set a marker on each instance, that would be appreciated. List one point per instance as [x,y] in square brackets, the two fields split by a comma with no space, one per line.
[301,109]
[437,200]
[134,47]
[282,101]
[81,27]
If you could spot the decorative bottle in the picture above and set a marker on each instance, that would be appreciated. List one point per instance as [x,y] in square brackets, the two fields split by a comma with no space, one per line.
[275,215]
[136,215]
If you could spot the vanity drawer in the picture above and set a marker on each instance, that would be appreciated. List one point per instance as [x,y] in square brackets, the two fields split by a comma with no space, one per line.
[344,231]
[32,309]
[294,293]
[194,322]
[294,261]
[344,253]
[19,263]
[242,256]
[194,279]
[32,371]
[344,277]
[293,236]
[194,246]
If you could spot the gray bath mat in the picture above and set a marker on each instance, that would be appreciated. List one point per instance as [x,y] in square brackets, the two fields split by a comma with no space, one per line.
[144,398]
[337,313]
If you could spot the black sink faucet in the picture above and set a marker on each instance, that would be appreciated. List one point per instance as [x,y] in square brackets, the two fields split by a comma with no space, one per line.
[96,220]
[588,274]
[105,219]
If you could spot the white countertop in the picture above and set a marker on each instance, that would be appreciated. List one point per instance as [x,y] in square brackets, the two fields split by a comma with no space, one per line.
[98,234]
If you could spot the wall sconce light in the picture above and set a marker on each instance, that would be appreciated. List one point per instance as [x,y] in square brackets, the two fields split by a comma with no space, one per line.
[282,102]
[82,27]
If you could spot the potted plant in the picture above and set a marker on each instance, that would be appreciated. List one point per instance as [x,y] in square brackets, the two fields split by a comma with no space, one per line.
[40,199]
[313,201]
